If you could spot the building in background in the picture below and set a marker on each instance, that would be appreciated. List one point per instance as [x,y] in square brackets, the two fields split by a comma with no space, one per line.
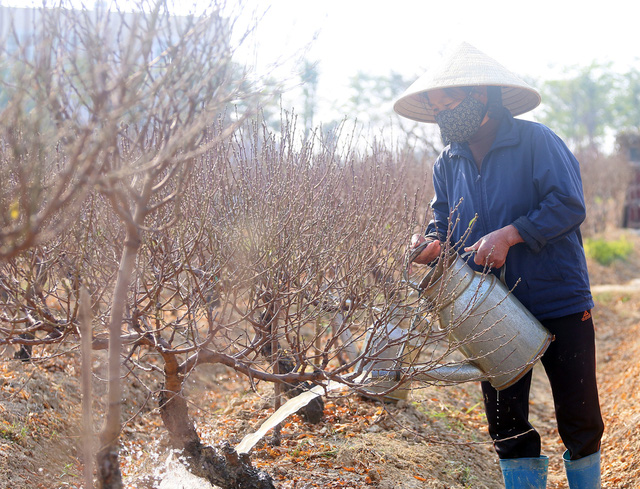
[629,144]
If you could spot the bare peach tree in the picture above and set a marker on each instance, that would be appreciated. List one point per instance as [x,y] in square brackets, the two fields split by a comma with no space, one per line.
[605,179]
[302,248]
[119,102]
[286,252]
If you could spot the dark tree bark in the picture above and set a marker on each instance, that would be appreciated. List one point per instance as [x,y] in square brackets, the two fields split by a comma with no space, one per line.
[221,466]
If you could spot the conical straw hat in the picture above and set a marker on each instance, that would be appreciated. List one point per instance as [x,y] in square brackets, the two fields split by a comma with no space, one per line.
[466,66]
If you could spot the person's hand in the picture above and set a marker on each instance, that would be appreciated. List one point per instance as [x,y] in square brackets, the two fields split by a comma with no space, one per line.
[491,250]
[430,253]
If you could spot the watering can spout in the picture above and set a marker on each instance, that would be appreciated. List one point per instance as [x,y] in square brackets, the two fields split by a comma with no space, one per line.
[450,373]
[463,372]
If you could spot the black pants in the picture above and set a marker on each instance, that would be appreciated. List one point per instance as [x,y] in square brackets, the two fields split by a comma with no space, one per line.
[570,364]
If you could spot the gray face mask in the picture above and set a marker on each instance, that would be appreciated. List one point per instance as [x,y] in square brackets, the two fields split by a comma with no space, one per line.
[457,125]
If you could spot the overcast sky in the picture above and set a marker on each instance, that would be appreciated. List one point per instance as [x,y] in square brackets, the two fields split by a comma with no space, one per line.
[536,40]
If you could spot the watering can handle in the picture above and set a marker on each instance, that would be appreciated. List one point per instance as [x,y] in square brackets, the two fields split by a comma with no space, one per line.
[413,254]
[410,256]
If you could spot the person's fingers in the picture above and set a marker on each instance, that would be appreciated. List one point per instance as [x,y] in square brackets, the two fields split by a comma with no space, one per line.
[416,239]
[473,247]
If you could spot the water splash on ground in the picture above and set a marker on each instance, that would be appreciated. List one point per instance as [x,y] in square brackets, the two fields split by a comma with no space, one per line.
[286,410]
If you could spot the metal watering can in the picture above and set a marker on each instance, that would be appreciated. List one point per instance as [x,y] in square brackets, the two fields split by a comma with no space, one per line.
[499,337]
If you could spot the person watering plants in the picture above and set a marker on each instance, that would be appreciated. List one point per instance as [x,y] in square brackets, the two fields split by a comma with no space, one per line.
[517,194]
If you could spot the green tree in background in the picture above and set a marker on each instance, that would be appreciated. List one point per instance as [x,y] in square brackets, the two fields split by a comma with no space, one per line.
[371,104]
[580,107]
[626,107]
[309,78]
[371,96]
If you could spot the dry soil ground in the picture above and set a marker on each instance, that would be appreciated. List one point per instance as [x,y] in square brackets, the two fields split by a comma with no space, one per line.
[437,439]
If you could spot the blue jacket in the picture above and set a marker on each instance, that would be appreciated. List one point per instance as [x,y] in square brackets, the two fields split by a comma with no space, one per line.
[530,179]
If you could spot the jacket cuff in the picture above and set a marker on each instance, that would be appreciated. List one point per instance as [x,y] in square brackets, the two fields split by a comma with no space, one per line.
[528,232]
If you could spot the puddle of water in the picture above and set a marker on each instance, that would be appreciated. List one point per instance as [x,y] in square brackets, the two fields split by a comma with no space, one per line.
[177,475]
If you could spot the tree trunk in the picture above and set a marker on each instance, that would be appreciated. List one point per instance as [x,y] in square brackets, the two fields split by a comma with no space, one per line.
[173,407]
[223,466]
[87,418]
[109,476]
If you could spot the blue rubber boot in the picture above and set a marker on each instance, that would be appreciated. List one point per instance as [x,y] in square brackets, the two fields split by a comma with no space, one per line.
[583,473]
[525,473]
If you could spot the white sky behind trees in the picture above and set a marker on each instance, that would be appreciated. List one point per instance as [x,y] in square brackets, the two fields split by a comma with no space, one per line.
[536,40]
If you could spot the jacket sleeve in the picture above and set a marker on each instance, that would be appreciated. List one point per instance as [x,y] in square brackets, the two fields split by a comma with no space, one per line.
[556,177]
